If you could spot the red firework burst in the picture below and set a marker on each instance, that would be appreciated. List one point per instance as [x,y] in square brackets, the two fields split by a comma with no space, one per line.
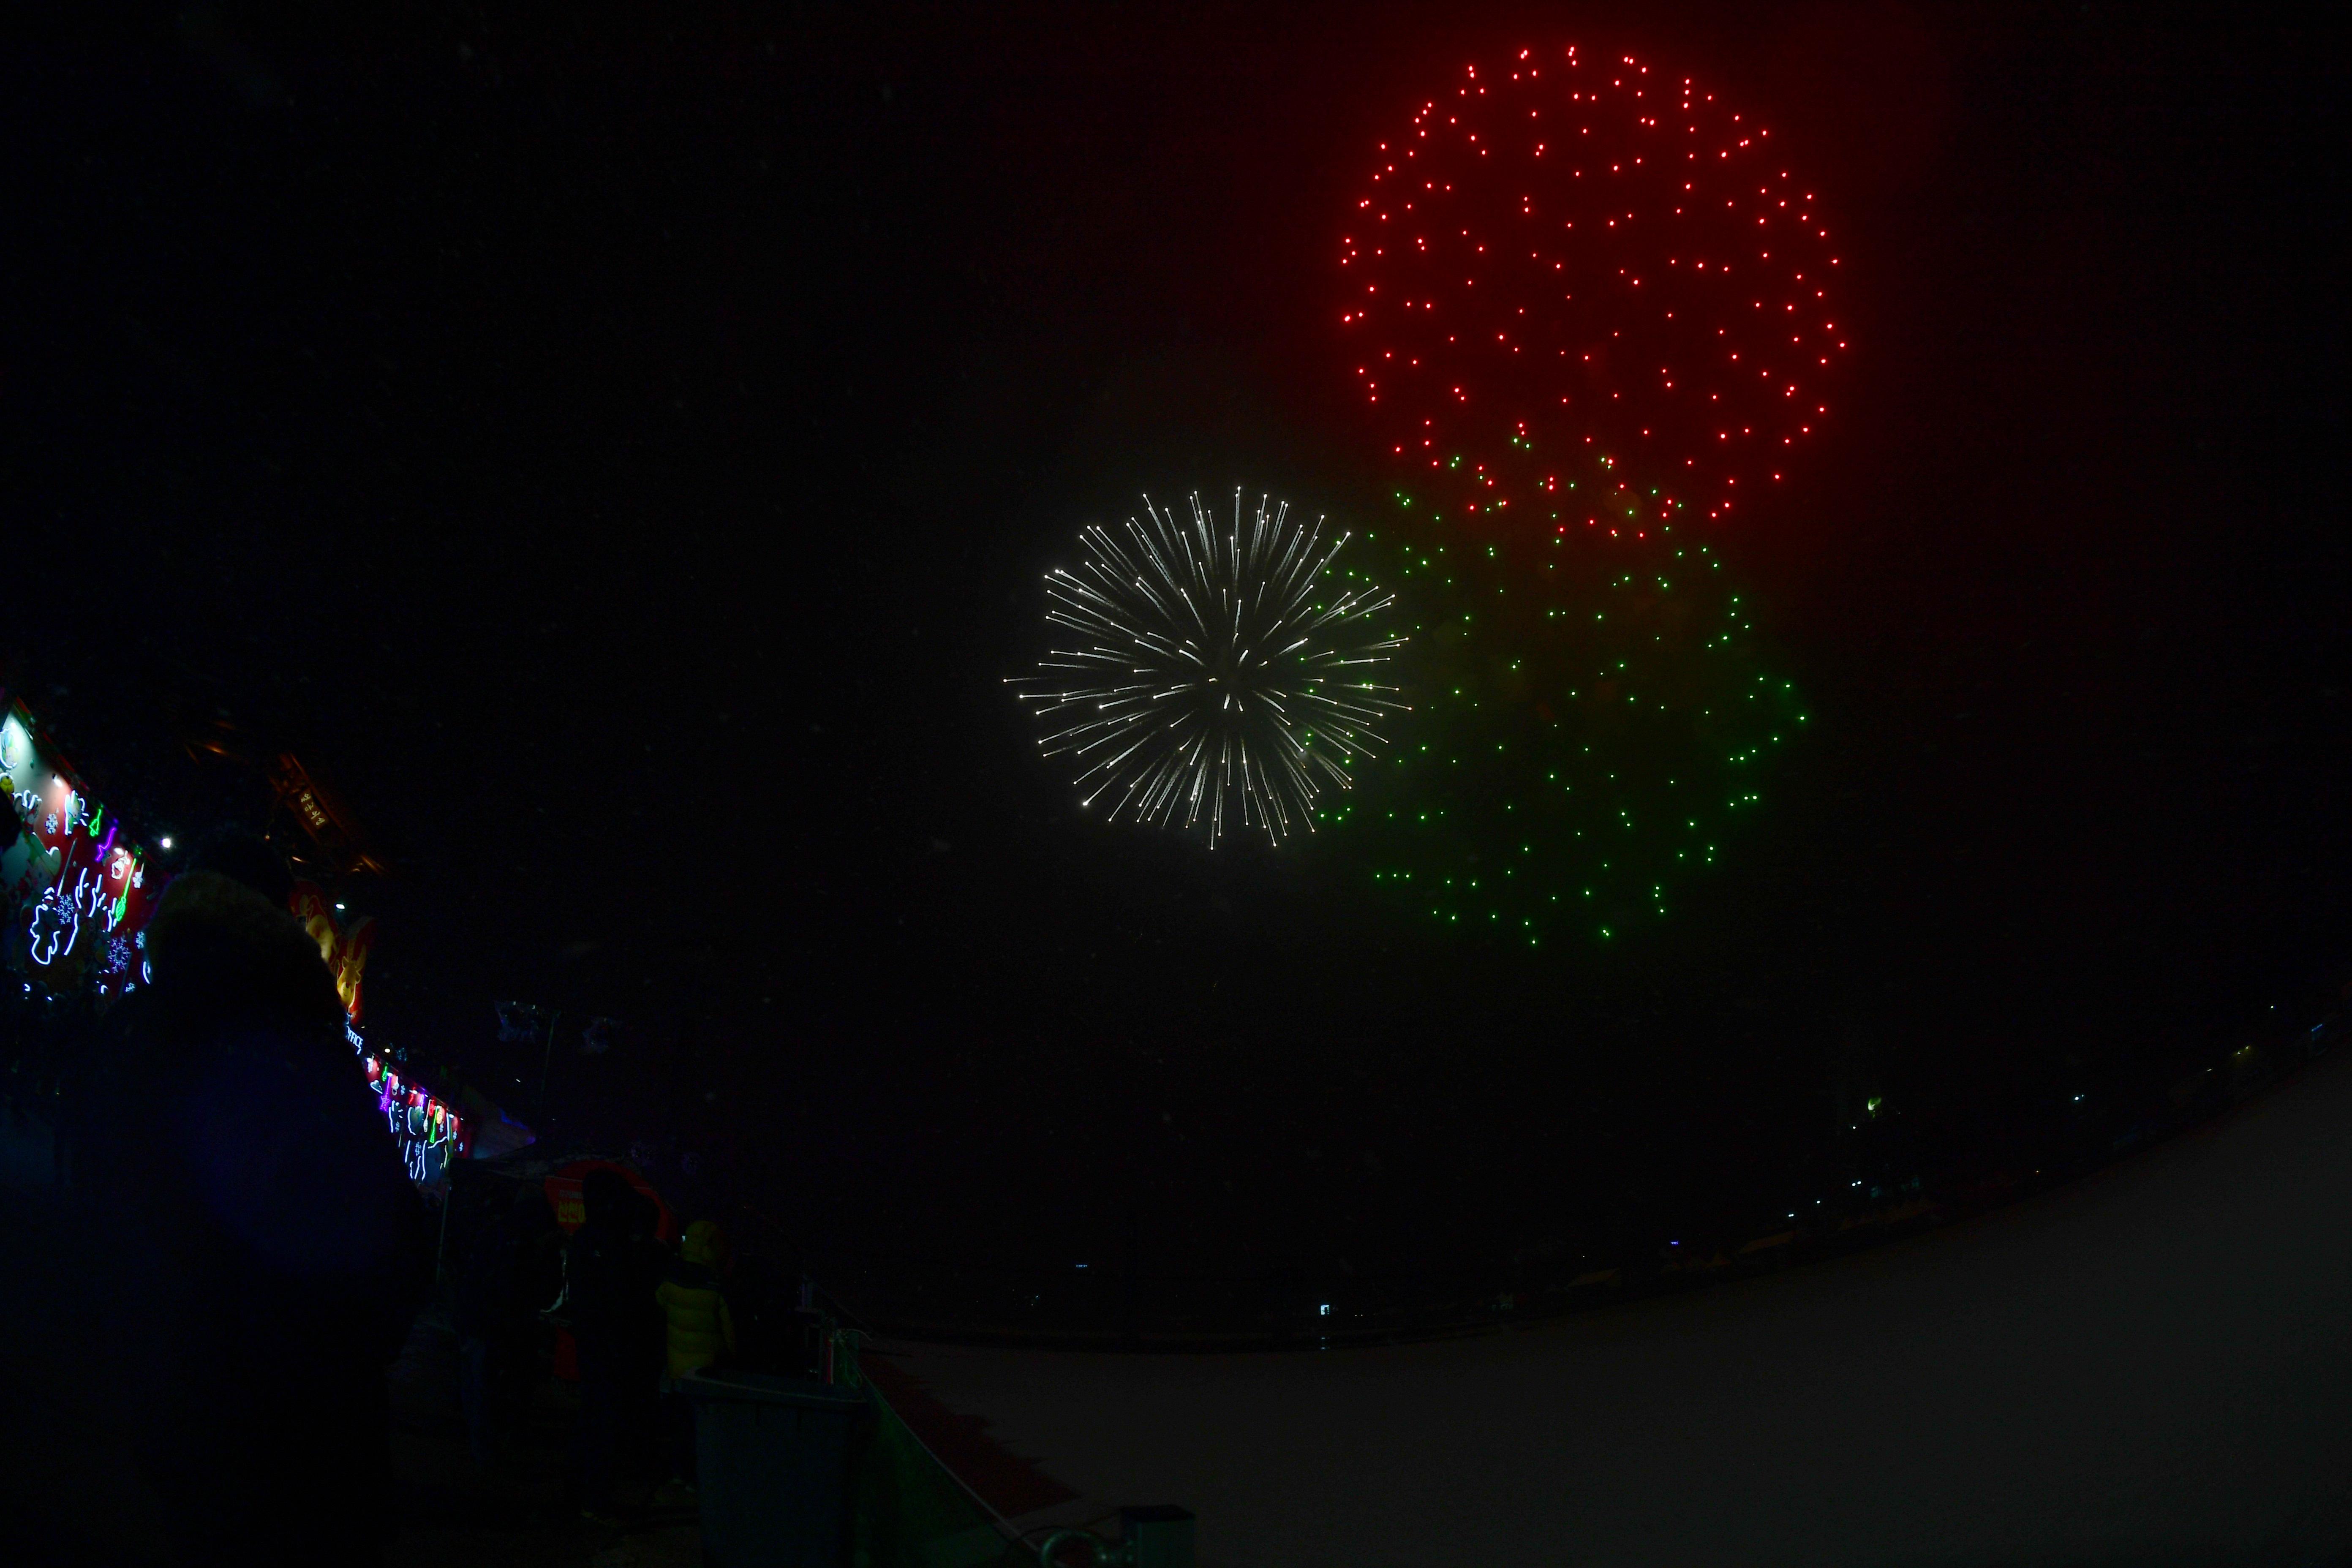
[1584,298]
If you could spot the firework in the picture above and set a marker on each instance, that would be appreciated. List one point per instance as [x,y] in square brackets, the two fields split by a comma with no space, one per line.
[1587,727]
[1579,294]
[1214,669]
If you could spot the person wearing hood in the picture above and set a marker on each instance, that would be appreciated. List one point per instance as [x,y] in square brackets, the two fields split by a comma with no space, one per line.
[264,1251]
[610,1267]
[511,1274]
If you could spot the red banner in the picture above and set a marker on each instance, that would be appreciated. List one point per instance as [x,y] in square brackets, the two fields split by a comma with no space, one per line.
[344,949]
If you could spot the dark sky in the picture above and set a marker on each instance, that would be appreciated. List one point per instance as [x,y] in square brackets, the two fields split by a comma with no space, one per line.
[622,457]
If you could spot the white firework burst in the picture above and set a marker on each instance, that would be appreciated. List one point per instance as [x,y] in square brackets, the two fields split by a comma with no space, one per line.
[1217,669]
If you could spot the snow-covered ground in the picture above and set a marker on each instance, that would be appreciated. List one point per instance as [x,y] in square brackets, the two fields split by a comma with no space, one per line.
[2154,1365]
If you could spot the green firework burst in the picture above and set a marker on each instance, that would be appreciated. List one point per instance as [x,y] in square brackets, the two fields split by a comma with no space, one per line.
[1588,726]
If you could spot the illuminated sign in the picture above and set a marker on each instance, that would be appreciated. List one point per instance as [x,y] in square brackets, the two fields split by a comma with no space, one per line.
[323,815]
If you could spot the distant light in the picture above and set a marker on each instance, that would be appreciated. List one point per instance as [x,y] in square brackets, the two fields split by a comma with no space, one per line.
[339,910]
[165,841]
[1082,1265]
[1325,1309]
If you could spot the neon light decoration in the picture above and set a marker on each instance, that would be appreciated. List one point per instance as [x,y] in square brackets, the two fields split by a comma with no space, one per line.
[430,1134]
[73,876]
[55,926]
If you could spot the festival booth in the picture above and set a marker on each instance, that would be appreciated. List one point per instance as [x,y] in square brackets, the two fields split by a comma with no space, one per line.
[77,892]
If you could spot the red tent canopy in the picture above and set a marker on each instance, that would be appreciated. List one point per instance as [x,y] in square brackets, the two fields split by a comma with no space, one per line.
[563,1192]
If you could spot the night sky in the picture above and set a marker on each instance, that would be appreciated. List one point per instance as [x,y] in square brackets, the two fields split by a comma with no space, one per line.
[623,459]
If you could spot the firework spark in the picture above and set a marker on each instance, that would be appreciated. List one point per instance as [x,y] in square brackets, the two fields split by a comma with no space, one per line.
[1591,728]
[1574,286]
[1217,669]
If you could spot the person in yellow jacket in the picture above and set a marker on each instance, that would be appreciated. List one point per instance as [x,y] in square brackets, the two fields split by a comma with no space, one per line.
[702,1332]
